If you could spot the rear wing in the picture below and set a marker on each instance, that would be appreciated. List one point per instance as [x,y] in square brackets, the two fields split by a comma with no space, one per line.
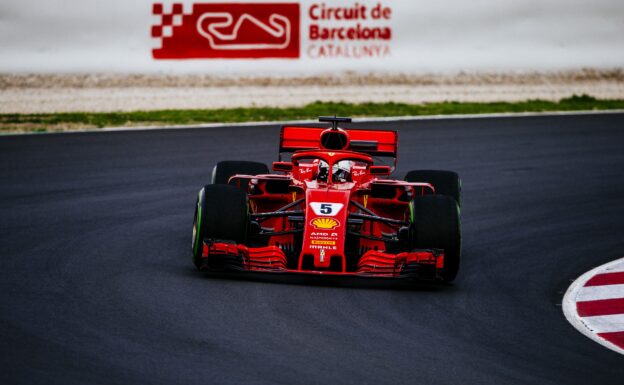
[376,143]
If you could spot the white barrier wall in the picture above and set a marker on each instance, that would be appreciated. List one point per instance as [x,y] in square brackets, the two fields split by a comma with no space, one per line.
[303,37]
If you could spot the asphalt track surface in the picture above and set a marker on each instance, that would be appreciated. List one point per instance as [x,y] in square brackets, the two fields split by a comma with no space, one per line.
[97,284]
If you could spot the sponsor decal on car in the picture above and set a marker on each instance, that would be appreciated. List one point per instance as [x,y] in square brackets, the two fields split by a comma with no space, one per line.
[317,247]
[326,209]
[323,235]
[322,242]
[325,223]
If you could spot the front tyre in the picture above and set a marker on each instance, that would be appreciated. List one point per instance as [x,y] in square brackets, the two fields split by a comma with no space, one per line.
[220,214]
[436,225]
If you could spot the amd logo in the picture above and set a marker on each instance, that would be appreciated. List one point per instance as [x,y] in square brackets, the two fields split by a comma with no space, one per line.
[322,234]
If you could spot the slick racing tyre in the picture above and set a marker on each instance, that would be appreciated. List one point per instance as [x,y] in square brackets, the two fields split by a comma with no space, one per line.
[444,182]
[436,225]
[222,172]
[220,213]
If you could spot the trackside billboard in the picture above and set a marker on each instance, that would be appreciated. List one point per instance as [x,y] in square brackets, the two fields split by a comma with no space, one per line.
[288,37]
[273,30]
[227,31]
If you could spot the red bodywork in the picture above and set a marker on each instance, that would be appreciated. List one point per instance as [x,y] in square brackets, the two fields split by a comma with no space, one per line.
[300,224]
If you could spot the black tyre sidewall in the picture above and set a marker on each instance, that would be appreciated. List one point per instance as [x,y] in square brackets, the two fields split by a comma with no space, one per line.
[436,225]
[226,213]
[221,214]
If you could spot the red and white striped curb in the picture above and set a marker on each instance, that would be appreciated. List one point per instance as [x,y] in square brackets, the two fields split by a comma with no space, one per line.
[594,304]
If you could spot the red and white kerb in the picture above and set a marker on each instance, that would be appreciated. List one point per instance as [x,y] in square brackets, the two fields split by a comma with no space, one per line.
[594,304]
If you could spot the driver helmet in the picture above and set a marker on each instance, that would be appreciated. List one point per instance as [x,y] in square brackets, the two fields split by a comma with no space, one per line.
[323,170]
[341,171]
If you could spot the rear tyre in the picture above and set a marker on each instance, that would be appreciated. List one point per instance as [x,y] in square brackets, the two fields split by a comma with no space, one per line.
[436,225]
[222,172]
[444,182]
[220,213]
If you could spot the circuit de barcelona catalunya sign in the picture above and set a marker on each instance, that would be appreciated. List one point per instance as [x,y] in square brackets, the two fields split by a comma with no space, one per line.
[350,30]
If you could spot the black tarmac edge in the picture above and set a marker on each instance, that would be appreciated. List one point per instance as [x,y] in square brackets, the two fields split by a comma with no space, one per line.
[97,284]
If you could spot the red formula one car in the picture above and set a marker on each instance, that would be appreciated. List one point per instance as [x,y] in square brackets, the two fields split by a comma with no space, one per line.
[331,210]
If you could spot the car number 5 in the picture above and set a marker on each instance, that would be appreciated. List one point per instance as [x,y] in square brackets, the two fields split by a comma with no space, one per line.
[326,208]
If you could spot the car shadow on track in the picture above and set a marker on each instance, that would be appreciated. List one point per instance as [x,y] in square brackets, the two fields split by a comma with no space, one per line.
[327,281]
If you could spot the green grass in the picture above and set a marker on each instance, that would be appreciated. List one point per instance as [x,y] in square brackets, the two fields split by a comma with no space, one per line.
[73,120]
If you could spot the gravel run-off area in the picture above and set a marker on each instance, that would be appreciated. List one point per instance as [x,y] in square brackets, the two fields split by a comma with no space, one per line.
[49,93]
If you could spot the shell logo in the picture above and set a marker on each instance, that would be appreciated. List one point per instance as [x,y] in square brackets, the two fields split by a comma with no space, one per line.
[324,223]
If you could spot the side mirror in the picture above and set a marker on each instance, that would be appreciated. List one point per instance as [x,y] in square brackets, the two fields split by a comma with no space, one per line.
[282,166]
[379,170]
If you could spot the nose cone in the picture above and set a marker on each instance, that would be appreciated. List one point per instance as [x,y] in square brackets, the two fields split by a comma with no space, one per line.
[325,231]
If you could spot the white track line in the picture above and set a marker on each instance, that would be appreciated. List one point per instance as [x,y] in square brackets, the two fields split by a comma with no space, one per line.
[586,325]
[381,119]
[356,120]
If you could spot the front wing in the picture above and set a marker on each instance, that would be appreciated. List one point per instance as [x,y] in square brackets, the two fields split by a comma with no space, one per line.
[418,264]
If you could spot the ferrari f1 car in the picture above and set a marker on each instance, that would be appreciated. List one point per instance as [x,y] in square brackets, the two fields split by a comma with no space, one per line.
[330,209]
